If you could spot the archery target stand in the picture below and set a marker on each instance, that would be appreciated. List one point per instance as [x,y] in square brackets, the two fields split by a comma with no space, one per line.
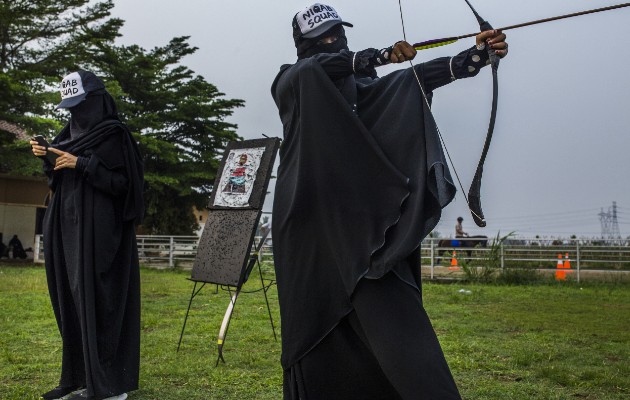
[226,254]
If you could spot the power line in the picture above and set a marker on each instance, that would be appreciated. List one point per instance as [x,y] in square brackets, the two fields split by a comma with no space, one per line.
[546,215]
[582,222]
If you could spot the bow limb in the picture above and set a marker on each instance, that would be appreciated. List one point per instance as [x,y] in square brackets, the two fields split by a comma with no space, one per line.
[474,193]
[475,206]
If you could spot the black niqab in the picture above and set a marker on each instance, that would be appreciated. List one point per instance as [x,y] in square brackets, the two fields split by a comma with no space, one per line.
[97,107]
[309,47]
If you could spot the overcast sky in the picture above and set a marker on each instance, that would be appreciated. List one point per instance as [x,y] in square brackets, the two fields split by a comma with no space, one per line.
[560,148]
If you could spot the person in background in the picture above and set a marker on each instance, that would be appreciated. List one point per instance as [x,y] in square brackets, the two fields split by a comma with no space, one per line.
[90,244]
[17,248]
[459,230]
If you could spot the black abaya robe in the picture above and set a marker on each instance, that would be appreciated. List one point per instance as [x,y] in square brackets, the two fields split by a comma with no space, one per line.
[362,180]
[92,260]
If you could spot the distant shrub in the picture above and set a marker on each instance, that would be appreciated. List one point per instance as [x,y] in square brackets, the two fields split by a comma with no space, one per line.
[520,276]
[487,272]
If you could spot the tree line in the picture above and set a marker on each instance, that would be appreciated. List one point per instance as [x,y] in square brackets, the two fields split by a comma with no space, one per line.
[177,117]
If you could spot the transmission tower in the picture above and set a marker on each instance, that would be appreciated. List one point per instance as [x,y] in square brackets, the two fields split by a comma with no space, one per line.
[610,226]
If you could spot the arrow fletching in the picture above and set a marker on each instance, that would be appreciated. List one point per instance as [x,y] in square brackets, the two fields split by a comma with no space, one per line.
[429,44]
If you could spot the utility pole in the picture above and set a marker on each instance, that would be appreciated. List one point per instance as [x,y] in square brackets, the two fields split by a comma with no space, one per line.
[610,225]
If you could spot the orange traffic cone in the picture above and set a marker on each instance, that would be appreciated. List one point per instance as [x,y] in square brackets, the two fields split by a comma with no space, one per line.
[560,274]
[454,262]
[567,262]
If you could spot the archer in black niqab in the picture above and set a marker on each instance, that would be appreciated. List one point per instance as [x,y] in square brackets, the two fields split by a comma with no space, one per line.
[362,180]
[90,250]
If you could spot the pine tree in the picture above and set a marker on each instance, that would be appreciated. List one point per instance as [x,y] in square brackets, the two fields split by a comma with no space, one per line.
[177,117]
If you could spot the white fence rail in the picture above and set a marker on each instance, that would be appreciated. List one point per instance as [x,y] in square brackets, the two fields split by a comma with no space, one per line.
[168,250]
[530,253]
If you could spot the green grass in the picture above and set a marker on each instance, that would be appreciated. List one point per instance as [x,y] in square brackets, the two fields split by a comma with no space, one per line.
[543,341]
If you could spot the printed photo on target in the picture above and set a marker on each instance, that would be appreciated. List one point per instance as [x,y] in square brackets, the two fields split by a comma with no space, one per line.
[238,177]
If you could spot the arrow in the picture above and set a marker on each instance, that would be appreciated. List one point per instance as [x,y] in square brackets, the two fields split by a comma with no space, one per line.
[444,41]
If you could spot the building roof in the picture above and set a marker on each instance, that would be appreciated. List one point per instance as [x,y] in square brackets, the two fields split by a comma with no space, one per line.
[14,129]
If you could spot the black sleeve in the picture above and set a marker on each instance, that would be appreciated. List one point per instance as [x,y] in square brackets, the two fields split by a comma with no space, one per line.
[104,168]
[50,174]
[444,70]
[104,173]
[345,63]
[336,65]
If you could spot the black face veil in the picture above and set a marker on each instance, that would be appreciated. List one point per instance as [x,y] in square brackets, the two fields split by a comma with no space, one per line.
[98,106]
[309,47]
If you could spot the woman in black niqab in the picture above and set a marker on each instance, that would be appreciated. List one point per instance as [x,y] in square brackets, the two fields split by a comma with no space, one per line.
[90,250]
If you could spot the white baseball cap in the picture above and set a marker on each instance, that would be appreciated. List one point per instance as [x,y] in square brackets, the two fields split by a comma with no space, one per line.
[314,20]
[76,86]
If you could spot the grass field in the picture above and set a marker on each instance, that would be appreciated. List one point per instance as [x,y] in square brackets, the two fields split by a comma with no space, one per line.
[545,341]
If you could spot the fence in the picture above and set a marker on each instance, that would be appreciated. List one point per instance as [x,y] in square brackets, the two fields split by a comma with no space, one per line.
[583,255]
[167,250]
[170,250]
[523,253]
[154,249]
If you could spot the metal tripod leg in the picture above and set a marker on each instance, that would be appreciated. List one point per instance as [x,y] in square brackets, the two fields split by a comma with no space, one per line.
[192,296]
[265,288]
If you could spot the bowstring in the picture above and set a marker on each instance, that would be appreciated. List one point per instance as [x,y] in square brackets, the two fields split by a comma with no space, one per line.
[426,101]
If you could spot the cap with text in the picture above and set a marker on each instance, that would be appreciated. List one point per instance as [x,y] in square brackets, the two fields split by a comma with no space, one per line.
[315,20]
[76,86]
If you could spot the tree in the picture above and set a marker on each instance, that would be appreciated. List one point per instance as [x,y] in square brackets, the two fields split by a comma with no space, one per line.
[181,118]
[177,116]
[39,40]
